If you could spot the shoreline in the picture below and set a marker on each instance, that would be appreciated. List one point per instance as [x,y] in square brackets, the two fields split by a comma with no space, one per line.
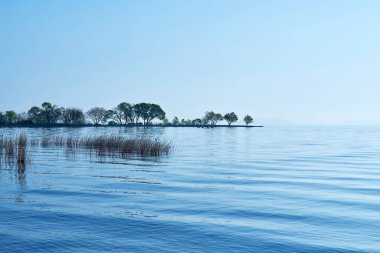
[124,126]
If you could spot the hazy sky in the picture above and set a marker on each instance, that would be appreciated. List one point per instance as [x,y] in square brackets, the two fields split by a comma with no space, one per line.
[301,61]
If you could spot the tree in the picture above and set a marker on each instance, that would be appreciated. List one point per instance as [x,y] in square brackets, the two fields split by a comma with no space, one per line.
[98,115]
[47,114]
[10,117]
[117,115]
[108,116]
[141,111]
[50,113]
[212,117]
[155,112]
[147,112]
[248,120]
[34,115]
[73,116]
[230,118]
[218,117]
[2,118]
[128,111]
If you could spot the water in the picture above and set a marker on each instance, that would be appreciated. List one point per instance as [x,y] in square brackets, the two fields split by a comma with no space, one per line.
[298,189]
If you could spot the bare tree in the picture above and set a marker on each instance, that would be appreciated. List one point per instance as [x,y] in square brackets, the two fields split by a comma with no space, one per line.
[98,115]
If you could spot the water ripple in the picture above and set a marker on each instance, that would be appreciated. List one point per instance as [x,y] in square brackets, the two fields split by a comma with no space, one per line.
[299,189]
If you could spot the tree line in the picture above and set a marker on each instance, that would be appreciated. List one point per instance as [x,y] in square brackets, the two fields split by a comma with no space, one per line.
[211,118]
[123,114]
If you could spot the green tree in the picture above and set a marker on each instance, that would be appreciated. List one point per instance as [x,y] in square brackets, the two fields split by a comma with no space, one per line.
[109,116]
[50,113]
[129,115]
[10,117]
[147,112]
[248,120]
[73,116]
[117,115]
[218,117]
[212,118]
[230,118]
[34,115]
[141,111]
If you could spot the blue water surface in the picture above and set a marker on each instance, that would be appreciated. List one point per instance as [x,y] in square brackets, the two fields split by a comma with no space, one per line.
[273,189]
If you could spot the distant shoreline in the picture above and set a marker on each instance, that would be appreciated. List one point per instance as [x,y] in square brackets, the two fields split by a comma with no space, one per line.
[122,126]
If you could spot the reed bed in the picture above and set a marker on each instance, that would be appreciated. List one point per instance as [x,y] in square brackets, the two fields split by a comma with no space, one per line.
[14,150]
[17,149]
[114,146]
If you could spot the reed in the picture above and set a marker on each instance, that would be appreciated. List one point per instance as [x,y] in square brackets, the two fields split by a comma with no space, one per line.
[118,146]
[17,149]
[21,155]
[14,150]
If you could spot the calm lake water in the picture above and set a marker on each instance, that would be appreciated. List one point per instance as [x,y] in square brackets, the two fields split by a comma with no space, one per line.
[285,189]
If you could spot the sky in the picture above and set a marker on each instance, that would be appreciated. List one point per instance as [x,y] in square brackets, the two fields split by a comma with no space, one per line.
[303,62]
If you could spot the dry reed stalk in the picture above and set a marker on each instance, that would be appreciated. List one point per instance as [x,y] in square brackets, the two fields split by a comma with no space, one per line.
[22,143]
[15,149]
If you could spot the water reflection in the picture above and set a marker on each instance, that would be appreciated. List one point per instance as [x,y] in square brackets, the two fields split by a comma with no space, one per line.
[15,175]
[21,182]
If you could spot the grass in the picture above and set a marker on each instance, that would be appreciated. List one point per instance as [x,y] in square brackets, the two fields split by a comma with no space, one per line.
[17,149]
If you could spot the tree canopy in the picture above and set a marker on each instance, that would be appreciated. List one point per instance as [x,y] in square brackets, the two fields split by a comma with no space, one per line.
[123,114]
[73,116]
[230,118]
[147,112]
[248,120]
[212,117]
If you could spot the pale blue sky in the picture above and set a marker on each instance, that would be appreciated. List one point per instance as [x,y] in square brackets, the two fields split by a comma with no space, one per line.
[308,62]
